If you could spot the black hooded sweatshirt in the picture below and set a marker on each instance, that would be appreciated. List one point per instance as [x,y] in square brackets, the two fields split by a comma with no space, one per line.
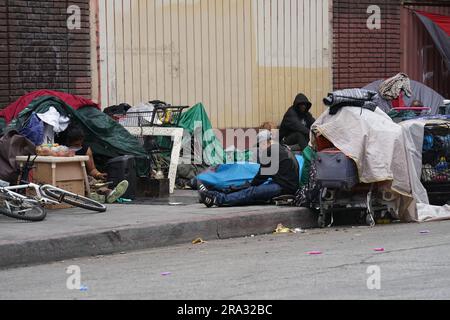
[287,176]
[296,121]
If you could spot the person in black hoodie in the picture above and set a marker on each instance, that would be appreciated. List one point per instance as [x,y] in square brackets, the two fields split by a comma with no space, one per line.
[297,122]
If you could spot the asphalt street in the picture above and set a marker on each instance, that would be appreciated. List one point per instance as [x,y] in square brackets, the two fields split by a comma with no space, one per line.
[412,262]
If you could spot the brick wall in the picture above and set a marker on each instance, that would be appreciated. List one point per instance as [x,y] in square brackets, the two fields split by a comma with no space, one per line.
[38,51]
[361,55]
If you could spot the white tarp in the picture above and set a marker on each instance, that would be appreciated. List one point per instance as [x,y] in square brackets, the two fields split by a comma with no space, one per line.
[383,151]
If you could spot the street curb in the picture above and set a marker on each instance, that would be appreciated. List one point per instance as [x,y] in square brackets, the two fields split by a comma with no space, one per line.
[110,241]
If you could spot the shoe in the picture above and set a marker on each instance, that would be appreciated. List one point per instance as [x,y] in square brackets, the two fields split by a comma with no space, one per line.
[201,187]
[207,199]
[97,197]
[117,192]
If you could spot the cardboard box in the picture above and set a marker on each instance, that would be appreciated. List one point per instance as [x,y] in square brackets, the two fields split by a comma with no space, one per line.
[65,173]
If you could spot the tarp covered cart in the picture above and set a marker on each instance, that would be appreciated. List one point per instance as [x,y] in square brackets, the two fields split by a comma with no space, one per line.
[366,162]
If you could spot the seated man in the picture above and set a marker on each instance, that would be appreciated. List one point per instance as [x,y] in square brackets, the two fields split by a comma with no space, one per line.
[74,139]
[264,187]
[296,123]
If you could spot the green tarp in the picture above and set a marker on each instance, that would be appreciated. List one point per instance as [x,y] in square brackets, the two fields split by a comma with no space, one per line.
[309,156]
[107,138]
[213,152]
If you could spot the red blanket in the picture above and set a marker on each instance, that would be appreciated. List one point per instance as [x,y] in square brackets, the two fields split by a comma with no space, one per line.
[13,110]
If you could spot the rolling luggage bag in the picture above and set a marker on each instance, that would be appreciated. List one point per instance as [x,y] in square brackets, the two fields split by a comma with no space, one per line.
[335,170]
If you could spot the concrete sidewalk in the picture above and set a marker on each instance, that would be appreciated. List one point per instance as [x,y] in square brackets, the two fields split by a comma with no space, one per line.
[73,233]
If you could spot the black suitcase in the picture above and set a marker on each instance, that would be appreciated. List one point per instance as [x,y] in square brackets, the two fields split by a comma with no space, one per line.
[123,168]
[335,170]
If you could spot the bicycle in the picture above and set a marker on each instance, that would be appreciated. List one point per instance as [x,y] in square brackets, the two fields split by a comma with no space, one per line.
[31,208]
[20,207]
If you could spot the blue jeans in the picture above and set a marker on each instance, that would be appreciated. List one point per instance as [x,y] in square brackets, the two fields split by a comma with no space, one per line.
[251,195]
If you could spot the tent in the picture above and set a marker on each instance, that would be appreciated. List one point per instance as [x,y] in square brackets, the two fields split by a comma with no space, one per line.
[14,109]
[428,96]
[107,138]
[438,26]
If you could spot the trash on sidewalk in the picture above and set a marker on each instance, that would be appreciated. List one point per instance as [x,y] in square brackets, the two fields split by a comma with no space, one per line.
[378,249]
[282,229]
[123,200]
[198,241]
[166,273]
[299,230]
[384,221]
[314,252]
[424,231]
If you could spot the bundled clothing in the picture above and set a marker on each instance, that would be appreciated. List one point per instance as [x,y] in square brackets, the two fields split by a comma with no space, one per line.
[53,118]
[117,109]
[295,126]
[391,88]
[350,98]
[33,130]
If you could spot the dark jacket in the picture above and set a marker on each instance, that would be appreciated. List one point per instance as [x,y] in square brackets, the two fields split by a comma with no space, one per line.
[287,175]
[296,121]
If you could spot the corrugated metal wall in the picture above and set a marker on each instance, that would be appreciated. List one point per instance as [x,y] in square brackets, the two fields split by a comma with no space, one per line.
[420,58]
[244,59]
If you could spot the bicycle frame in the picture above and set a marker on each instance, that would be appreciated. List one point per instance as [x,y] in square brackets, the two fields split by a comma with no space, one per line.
[39,195]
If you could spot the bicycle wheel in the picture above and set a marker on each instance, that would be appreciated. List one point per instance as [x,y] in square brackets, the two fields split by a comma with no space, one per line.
[72,199]
[28,210]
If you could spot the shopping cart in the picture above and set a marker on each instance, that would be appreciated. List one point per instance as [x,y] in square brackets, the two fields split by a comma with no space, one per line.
[162,115]
[435,162]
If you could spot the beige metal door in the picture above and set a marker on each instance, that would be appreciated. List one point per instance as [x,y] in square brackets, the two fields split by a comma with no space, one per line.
[245,60]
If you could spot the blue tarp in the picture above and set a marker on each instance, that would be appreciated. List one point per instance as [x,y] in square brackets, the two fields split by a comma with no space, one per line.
[230,175]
